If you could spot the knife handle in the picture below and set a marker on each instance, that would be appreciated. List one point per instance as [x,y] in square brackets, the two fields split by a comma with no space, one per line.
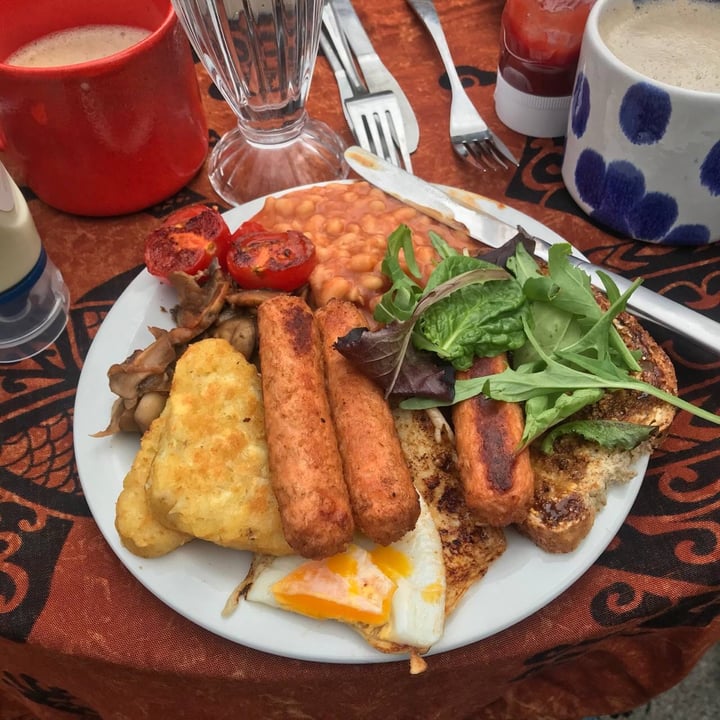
[342,50]
[350,22]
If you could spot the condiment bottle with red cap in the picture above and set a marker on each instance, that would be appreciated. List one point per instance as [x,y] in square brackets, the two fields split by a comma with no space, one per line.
[539,49]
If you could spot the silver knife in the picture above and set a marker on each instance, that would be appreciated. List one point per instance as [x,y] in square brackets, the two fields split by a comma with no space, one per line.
[341,77]
[377,77]
[490,228]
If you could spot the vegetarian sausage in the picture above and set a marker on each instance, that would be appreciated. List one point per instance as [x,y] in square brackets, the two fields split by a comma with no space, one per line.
[305,465]
[497,479]
[384,500]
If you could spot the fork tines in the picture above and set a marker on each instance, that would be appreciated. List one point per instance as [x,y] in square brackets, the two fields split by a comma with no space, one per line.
[481,153]
[377,126]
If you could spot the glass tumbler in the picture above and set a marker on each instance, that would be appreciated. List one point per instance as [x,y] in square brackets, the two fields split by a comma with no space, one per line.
[260,54]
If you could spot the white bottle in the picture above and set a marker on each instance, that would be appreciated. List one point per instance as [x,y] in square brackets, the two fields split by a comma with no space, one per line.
[34,299]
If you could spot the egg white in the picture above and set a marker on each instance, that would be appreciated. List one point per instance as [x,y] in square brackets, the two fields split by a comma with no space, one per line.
[417,614]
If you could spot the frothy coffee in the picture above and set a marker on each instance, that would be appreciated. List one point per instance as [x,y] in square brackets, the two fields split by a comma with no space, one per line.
[77,45]
[673,41]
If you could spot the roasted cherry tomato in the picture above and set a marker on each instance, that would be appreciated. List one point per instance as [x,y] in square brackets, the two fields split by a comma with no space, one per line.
[259,258]
[187,241]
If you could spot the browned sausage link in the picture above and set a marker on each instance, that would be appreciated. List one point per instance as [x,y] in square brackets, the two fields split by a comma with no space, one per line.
[305,466]
[384,500]
[498,481]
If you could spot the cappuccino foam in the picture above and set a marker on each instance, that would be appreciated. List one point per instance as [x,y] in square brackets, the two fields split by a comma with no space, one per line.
[77,45]
[673,41]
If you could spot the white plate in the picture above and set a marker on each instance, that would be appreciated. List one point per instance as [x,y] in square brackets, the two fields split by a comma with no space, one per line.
[197,579]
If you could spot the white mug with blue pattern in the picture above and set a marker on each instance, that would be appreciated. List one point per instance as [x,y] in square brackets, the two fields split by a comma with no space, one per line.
[642,157]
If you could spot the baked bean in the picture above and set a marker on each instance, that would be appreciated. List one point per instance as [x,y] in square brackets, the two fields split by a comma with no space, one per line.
[348,238]
[404,215]
[350,197]
[369,224]
[362,262]
[334,226]
[336,287]
[305,209]
[315,223]
[373,282]
[353,294]
[285,206]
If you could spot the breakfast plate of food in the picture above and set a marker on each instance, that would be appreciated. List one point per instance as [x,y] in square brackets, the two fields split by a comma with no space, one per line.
[245,562]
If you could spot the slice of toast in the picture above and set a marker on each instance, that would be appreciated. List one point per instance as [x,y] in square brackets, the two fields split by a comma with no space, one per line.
[571,484]
[469,546]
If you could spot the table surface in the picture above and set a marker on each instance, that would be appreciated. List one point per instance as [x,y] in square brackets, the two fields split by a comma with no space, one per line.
[79,635]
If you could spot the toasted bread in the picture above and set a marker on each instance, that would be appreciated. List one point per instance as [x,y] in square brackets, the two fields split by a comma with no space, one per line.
[469,546]
[571,483]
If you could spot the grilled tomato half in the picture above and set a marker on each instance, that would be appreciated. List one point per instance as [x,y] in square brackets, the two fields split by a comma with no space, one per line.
[187,241]
[259,258]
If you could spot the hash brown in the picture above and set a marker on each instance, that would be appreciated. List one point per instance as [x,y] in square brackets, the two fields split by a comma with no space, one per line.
[209,477]
[139,530]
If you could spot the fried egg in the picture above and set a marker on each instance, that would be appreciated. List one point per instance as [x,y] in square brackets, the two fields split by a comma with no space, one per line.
[394,595]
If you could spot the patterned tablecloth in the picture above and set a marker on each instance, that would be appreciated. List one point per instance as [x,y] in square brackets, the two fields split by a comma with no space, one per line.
[80,637]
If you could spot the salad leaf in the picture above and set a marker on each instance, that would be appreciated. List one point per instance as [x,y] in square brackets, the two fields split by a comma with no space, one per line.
[400,300]
[454,316]
[388,349]
[563,304]
[478,319]
[377,353]
[546,411]
[573,353]
[565,350]
[608,433]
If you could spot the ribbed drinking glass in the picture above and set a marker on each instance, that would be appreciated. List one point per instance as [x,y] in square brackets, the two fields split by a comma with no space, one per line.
[260,54]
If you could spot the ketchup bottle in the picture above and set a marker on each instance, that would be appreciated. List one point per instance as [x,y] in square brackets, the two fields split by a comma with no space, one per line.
[539,49]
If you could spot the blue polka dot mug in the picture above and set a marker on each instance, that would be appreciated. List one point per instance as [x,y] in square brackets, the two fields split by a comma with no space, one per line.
[642,156]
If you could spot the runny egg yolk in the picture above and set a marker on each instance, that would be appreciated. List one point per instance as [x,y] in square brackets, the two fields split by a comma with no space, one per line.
[349,587]
[392,562]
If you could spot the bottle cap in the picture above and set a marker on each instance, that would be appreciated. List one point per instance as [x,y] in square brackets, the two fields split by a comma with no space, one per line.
[533,115]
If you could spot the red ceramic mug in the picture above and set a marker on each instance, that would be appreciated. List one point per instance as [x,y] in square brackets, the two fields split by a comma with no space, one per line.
[108,136]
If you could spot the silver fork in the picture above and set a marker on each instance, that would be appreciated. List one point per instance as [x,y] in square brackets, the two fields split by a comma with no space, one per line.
[374,118]
[470,136]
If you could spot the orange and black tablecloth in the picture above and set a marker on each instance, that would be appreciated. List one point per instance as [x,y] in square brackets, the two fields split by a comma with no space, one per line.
[80,637]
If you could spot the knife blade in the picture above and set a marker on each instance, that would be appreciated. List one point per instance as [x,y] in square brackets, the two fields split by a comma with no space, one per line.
[377,77]
[490,228]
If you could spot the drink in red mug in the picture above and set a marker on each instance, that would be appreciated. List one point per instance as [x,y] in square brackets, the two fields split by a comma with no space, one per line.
[76,45]
[109,135]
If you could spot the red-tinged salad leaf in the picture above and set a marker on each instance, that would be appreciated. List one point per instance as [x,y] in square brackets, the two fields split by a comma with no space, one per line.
[501,255]
[420,372]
